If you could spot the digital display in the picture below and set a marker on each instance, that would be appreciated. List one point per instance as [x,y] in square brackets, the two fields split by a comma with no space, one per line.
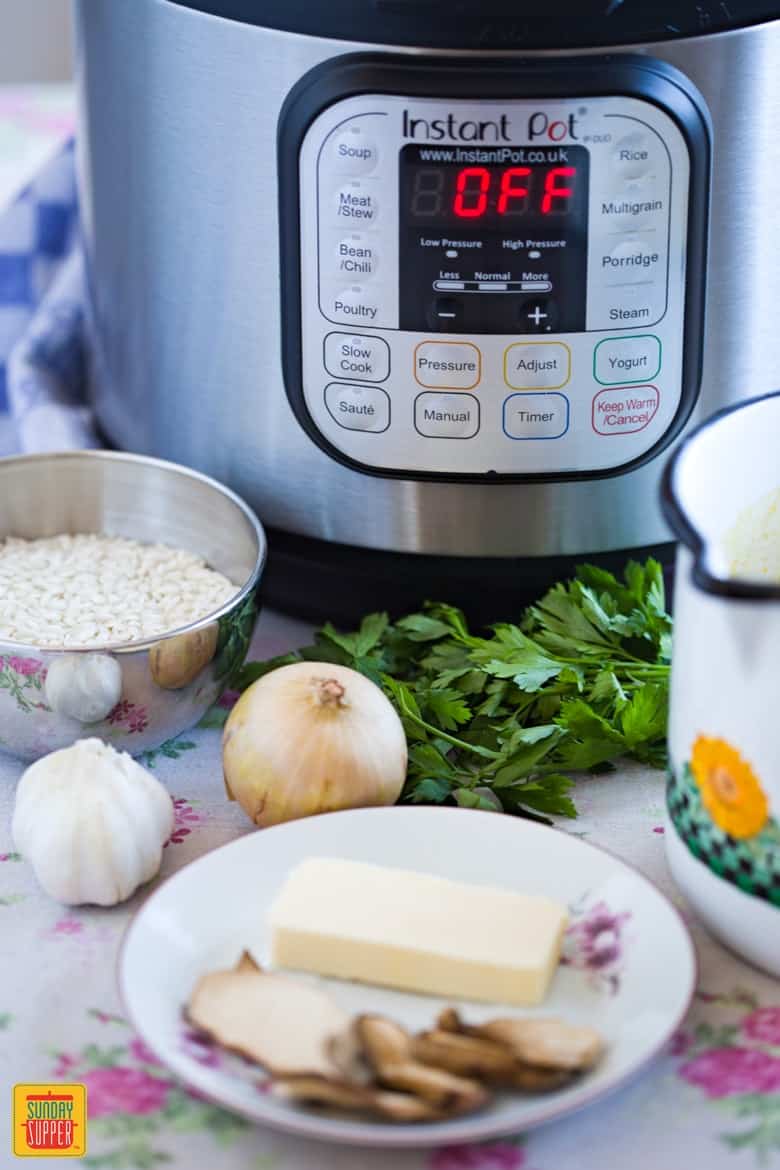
[490,193]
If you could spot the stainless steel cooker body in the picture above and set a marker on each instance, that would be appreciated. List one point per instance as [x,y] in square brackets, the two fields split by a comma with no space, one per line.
[177,160]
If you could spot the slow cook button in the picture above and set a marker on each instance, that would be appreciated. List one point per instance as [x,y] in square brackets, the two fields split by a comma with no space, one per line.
[352,304]
[446,416]
[356,257]
[626,359]
[358,408]
[355,204]
[359,358]
[536,416]
[449,365]
[531,365]
[623,410]
[353,152]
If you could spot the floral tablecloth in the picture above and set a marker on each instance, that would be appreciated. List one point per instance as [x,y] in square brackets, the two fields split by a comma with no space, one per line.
[712,1101]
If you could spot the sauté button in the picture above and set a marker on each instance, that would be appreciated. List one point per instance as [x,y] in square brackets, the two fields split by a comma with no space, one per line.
[359,358]
[627,359]
[446,416]
[355,204]
[453,365]
[624,410]
[529,365]
[353,152]
[352,304]
[536,416]
[356,257]
[358,408]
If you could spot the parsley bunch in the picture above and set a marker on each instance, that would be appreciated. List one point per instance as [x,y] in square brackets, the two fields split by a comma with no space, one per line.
[499,722]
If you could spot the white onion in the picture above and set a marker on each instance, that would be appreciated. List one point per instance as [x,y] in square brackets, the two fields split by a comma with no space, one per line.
[310,738]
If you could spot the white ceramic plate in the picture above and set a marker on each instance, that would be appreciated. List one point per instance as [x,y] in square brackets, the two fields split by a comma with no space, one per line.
[630,968]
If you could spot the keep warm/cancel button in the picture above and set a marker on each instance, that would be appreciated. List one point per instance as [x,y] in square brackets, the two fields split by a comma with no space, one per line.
[622,410]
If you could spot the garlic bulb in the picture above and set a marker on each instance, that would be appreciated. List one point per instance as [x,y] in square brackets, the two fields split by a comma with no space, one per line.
[83,686]
[309,738]
[92,823]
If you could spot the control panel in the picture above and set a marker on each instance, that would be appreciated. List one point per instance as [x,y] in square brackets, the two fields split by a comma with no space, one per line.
[493,287]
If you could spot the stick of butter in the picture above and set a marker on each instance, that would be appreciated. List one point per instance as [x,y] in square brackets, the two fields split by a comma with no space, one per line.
[416,931]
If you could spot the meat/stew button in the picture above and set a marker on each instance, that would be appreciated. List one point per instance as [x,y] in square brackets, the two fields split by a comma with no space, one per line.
[623,410]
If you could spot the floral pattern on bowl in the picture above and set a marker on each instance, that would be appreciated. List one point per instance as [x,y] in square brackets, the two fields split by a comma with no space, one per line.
[720,810]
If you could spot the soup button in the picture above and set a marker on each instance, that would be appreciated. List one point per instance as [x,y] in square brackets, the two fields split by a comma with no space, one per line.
[358,408]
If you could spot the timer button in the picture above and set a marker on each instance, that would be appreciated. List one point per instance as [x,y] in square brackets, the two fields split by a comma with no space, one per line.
[357,257]
[355,204]
[536,416]
[539,315]
[358,408]
[352,152]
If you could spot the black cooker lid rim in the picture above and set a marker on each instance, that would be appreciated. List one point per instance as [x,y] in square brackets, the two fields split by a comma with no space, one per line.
[494,24]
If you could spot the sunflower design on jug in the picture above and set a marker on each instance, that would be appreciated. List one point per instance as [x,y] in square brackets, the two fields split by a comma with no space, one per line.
[721,812]
[730,789]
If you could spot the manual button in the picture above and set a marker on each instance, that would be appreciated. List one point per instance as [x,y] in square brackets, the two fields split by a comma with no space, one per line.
[446,416]
[358,408]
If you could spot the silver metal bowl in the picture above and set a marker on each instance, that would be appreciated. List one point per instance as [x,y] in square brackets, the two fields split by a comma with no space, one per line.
[135,695]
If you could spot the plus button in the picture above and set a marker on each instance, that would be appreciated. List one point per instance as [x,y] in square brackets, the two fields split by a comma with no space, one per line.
[537,316]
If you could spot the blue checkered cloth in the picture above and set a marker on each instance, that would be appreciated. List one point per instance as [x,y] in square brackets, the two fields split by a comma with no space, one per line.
[42,355]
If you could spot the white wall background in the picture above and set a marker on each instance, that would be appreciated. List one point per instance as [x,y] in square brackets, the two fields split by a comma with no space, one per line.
[35,40]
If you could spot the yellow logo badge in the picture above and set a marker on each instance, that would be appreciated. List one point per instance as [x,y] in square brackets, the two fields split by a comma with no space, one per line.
[49,1121]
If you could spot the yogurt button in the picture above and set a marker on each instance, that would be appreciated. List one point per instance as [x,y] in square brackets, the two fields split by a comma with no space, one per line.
[356,257]
[355,204]
[352,152]
[358,408]
[446,416]
[618,360]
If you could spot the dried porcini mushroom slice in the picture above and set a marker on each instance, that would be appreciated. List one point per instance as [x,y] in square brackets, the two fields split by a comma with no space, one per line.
[247,964]
[332,1093]
[465,1055]
[547,1043]
[389,1051]
[249,1012]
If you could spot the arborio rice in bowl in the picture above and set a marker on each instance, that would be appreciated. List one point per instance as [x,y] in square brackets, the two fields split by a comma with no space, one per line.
[129,592]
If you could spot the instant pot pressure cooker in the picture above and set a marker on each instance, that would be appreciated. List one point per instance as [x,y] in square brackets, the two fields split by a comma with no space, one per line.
[433,284]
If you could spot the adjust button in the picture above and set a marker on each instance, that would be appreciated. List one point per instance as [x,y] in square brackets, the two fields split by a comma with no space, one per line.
[627,359]
[358,408]
[359,358]
[536,416]
[453,365]
[446,416]
[529,365]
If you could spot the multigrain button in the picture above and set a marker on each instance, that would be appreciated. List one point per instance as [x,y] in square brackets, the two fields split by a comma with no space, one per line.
[530,365]
[353,152]
[358,408]
[536,416]
[359,358]
[355,204]
[452,365]
[627,359]
[446,416]
[624,410]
